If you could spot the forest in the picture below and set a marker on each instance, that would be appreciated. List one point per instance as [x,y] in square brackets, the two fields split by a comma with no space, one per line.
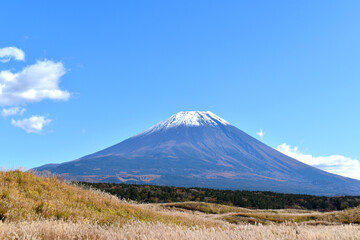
[246,199]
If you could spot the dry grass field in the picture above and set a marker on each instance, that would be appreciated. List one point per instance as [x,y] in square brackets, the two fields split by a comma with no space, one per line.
[33,207]
[144,230]
[243,215]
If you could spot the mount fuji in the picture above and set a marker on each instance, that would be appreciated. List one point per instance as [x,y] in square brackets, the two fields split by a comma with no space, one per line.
[200,149]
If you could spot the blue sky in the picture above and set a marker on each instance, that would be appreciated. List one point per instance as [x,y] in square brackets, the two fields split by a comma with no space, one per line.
[290,68]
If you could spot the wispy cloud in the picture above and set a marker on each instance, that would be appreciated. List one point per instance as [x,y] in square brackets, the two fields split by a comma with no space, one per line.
[12,111]
[336,164]
[33,124]
[260,133]
[11,52]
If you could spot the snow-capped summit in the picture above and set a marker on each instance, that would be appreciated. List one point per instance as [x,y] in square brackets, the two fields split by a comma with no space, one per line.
[188,119]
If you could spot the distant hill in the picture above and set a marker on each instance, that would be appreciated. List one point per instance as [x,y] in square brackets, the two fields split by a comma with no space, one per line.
[200,149]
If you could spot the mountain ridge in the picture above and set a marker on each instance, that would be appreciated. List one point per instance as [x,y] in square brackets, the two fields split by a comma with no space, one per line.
[201,149]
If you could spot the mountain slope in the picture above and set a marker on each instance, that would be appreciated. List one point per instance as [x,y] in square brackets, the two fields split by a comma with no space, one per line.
[201,149]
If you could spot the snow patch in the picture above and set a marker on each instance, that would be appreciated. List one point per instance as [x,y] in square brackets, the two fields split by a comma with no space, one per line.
[188,119]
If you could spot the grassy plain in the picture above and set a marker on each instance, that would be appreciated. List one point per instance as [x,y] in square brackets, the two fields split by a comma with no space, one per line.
[33,207]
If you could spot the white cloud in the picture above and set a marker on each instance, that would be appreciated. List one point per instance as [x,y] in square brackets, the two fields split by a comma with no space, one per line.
[11,52]
[33,124]
[336,164]
[33,84]
[260,133]
[12,111]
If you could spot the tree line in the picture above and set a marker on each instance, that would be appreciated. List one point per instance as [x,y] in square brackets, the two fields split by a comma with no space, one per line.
[247,199]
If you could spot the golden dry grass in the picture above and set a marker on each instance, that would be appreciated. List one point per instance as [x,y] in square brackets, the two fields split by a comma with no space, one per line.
[27,197]
[142,230]
[242,215]
[33,207]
